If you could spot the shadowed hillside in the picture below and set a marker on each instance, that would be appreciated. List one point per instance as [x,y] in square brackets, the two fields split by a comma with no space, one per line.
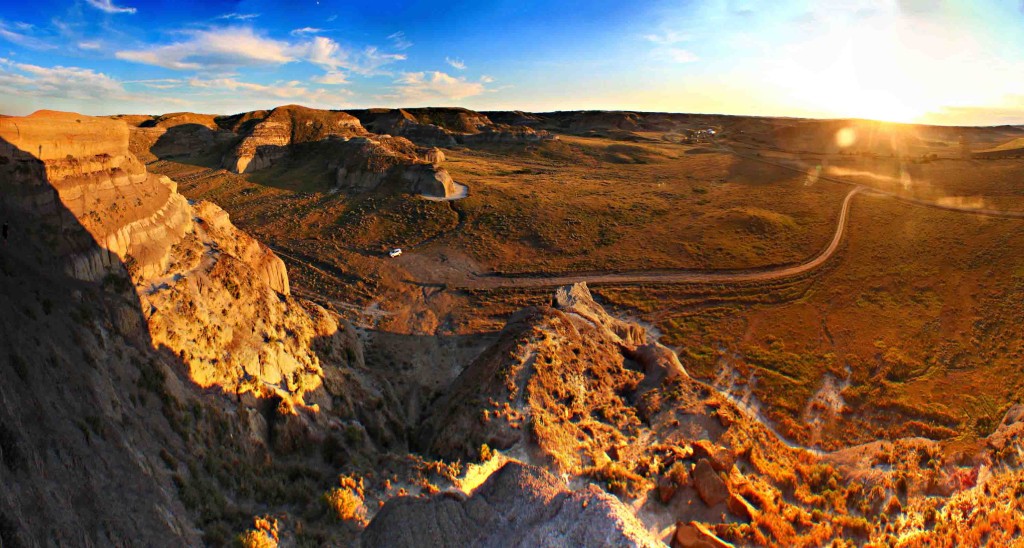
[81,420]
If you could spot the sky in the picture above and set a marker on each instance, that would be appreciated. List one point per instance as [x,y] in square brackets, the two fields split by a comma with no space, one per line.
[954,62]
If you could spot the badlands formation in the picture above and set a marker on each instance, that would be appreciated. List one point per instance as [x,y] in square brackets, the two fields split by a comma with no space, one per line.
[166,386]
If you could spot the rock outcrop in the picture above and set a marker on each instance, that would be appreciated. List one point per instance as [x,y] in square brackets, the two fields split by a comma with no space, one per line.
[268,140]
[519,505]
[401,123]
[137,217]
[445,127]
[78,445]
[367,163]
[211,294]
[551,368]
[175,135]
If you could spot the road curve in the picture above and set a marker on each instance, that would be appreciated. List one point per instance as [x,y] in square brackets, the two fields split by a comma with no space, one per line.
[676,276]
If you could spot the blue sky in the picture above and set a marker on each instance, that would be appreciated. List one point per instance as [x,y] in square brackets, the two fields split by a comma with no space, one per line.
[952,61]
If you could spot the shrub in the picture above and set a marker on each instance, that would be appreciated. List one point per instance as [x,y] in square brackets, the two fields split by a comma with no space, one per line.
[262,535]
[345,504]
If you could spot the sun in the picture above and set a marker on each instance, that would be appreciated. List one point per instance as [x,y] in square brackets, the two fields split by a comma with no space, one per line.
[868,71]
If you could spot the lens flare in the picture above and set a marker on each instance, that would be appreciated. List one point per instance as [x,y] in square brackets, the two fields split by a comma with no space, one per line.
[846,137]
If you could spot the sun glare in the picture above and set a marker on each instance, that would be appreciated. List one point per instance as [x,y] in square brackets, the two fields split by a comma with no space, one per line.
[883,71]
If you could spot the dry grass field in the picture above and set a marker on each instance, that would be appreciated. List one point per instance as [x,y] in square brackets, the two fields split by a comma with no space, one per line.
[589,204]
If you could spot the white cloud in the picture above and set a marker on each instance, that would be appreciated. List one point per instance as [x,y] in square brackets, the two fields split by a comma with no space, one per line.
[238,16]
[332,78]
[241,46]
[455,63]
[109,7]
[88,45]
[232,46]
[59,82]
[435,85]
[399,41]
[159,83]
[486,79]
[289,91]
[369,61]
[305,30]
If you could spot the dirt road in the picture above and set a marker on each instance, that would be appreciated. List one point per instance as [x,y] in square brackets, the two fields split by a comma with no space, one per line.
[478,281]
[674,276]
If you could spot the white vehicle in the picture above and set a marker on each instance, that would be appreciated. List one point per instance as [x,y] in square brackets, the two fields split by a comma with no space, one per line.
[395,252]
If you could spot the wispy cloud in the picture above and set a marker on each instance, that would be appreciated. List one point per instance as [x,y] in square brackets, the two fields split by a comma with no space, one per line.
[666,49]
[436,85]
[289,91]
[455,63]
[59,82]
[241,46]
[332,78]
[17,33]
[399,41]
[233,46]
[89,45]
[369,61]
[238,16]
[159,83]
[667,38]
[306,30]
[109,7]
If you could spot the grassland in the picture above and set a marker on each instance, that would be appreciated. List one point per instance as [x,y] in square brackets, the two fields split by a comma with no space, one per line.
[588,204]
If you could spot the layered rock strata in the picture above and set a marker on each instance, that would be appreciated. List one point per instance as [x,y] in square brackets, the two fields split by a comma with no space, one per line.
[268,140]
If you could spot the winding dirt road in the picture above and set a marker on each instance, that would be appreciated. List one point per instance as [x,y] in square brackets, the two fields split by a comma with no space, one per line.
[490,281]
[676,276]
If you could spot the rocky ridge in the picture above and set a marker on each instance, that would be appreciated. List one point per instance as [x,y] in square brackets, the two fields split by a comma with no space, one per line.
[367,163]
[268,140]
[446,127]
[211,294]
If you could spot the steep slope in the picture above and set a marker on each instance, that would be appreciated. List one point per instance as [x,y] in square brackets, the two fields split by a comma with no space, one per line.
[121,291]
[79,438]
[214,296]
[89,170]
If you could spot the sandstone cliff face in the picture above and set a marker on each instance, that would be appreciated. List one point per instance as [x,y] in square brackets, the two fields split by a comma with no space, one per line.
[211,294]
[79,447]
[127,303]
[267,141]
[367,163]
[136,216]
